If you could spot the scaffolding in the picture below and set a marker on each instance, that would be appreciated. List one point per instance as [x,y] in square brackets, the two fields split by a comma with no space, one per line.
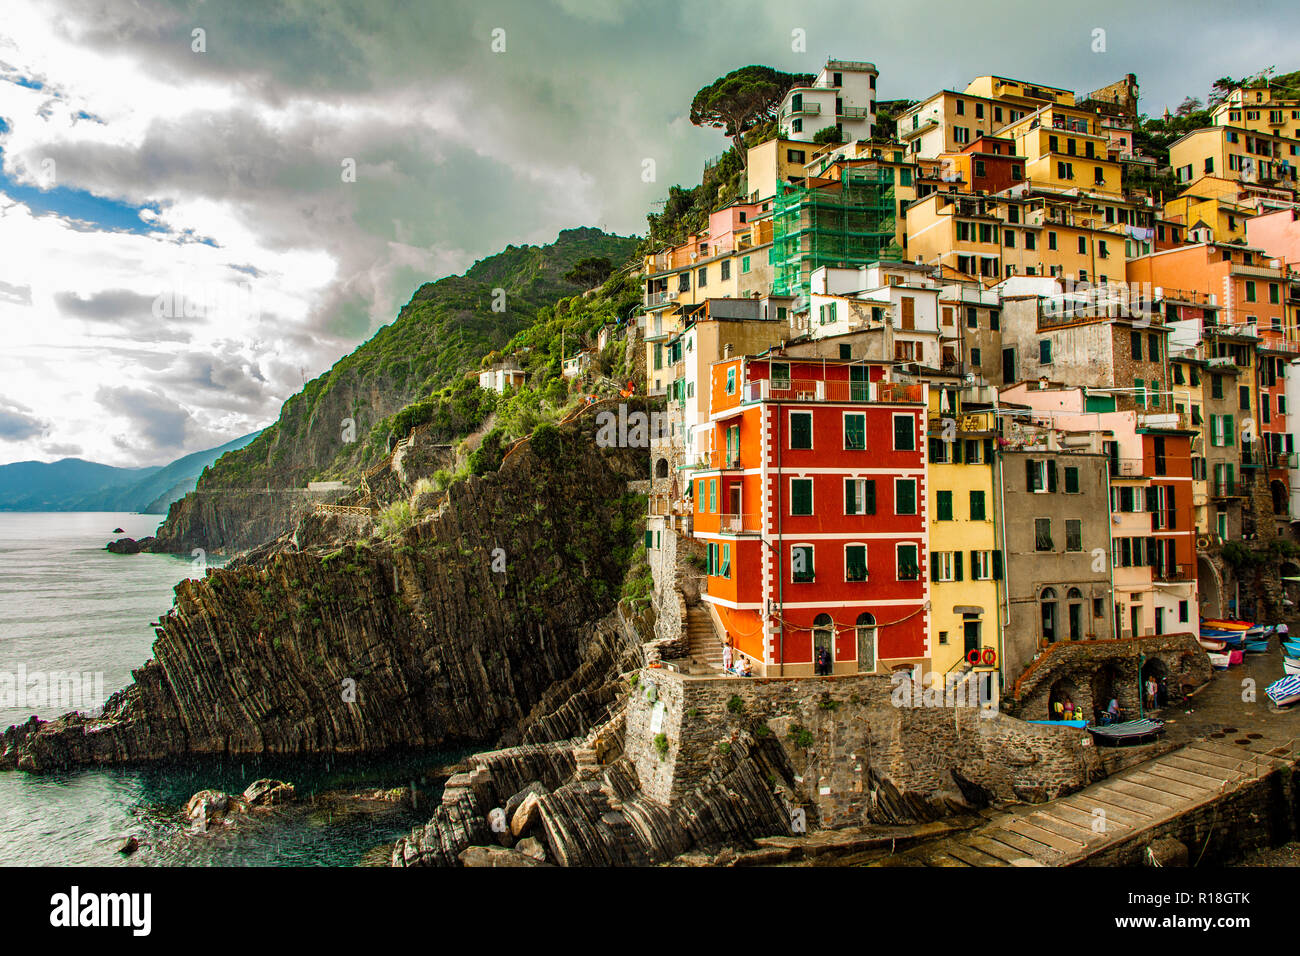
[849,224]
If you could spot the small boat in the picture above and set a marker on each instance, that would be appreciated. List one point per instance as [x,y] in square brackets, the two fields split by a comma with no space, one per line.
[1219,660]
[1211,643]
[1257,645]
[1128,732]
[1291,647]
[1291,665]
[1285,691]
[1221,625]
[1060,723]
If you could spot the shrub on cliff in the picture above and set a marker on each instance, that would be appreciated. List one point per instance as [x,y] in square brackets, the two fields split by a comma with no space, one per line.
[396,518]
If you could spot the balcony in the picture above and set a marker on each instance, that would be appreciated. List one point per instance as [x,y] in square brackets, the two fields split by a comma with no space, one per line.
[816,390]
[654,299]
[852,112]
[1176,572]
[805,109]
[1229,489]
[715,460]
[735,524]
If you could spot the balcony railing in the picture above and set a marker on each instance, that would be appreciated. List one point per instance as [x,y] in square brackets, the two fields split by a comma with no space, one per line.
[807,109]
[729,523]
[1176,572]
[1229,489]
[657,298]
[815,390]
[852,112]
[714,460]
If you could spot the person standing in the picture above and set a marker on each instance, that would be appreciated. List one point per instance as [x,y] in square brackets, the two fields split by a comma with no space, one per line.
[726,657]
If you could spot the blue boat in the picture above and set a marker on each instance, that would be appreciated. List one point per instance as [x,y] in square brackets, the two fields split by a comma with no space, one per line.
[1291,648]
[1257,645]
[1285,691]
[1060,723]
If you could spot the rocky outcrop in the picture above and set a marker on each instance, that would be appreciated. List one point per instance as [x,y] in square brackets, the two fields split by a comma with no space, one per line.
[451,633]
[130,545]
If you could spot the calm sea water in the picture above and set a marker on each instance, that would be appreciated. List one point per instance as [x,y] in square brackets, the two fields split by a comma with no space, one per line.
[68,605]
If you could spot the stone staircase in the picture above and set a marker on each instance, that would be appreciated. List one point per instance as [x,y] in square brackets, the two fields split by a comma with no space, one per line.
[705,645]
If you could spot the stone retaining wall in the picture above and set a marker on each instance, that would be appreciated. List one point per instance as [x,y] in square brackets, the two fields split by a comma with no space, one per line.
[858,750]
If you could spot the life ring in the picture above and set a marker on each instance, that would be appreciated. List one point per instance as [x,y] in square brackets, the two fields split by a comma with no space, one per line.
[989,657]
[973,656]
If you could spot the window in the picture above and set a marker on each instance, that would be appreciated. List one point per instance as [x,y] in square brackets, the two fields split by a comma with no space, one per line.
[975,356]
[1031,241]
[1216,386]
[801,430]
[1071,480]
[904,433]
[1051,240]
[801,496]
[904,496]
[972,319]
[1243,397]
[801,564]
[744,264]
[977,512]
[942,565]
[731,380]
[909,562]
[725,267]
[981,567]
[1044,351]
[1073,534]
[943,505]
[1250,291]
[855,430]
[855,562]
[859,496]
[702,276]
[780,376]
[1042,534]
[1009,238]
[713,496]
[1040,475]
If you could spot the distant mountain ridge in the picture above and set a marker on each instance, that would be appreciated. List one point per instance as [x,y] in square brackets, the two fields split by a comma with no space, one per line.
[73,484]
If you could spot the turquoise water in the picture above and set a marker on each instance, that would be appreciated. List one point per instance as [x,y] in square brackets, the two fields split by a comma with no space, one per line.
[66,604]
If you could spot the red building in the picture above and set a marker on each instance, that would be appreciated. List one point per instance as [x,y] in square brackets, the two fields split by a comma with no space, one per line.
[994,164]
[812,508]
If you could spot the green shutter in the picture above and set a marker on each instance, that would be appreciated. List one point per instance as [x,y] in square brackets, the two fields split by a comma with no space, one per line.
[906,503]
[1051,475]
[851,504]
[801,431]
[1072,480]
[934,565]
[869,497]
[855,431]
[977,506]
[801,496]
[945,505]
[956,566]
[1228,435]
[713,496]
[1031,475]
[648,540]
[856,562]
[997,565]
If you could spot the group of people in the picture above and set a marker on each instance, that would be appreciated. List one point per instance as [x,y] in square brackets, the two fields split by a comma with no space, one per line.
[741,668]
[1067,710]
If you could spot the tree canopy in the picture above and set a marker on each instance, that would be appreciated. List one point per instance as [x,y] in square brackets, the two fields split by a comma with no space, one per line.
[589,272]
[742,99]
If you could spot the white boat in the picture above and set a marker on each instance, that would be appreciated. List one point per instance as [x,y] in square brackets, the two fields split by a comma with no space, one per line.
[1291,665]
[1220,661]
[1210,644]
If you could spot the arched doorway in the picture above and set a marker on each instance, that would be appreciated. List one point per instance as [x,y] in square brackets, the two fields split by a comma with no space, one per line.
[1074,613]
[661,468]
[1106,685]
[1047,608]
[1154,669]
[866,632]
[823,639]
[1280,496]
[1208,587]
[1064,691]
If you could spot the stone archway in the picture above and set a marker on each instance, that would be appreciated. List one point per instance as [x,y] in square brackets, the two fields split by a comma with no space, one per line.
[1154,667]
[1107,683]
[1209,587]
[1063,689]
[661,468]
[1281,499]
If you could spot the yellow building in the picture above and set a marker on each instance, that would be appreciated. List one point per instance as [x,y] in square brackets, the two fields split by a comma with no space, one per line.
[1257,109]
[957,231]
[1018,92]
[773,162]
[949,120]
[1186,370]
[1065,149]
[964,599]
[1235,153]
[1206,206]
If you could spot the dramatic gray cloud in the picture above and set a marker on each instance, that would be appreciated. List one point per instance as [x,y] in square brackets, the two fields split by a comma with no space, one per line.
[155,422]
[17,423]
[460,147]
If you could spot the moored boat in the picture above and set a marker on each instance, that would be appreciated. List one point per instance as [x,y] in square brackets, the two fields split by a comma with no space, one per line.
[1211,643]
[1219,660]
[1128,732]
[1291,665]
[1285,691]
[1256,645]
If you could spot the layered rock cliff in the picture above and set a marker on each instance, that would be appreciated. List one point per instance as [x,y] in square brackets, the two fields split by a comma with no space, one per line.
[448,633]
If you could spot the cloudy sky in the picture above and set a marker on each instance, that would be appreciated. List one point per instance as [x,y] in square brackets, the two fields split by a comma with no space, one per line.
[181,243]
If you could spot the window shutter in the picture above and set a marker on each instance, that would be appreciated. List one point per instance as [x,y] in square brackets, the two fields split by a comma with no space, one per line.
[1031,474]
[1051,476]
[934,565]
[956,565]
[997,564]
[945,505]
[974,563]
[851,497]
[1152,504]
[869,497]
[988,451]
[956,452]
[1228,438]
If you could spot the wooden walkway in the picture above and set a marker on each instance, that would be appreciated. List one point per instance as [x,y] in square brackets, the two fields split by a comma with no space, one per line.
[1067,831]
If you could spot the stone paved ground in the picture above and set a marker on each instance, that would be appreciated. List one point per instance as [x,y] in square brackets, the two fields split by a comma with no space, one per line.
[1229,732]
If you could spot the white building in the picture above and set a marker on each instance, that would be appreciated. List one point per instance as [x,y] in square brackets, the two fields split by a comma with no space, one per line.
[843,95]
[500,377]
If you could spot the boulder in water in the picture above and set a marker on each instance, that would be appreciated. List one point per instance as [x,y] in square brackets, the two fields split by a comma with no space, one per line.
[119,531]
[268,793]
[129,846]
